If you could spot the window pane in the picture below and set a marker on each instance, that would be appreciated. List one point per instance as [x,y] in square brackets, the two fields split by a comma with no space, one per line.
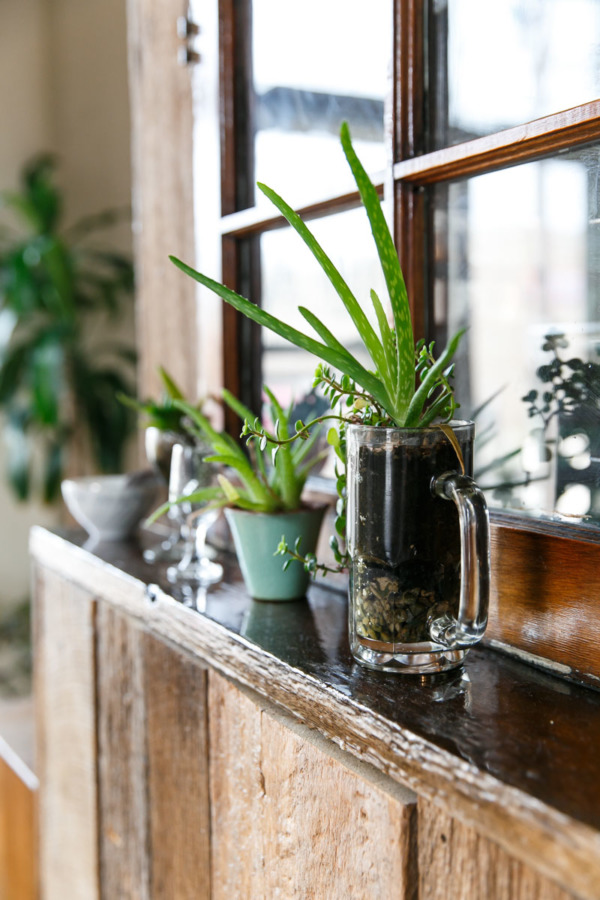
[495,65]
[315,64]
[518,262]
[291,278]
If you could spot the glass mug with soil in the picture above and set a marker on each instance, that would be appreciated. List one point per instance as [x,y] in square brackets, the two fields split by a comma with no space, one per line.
[418,539]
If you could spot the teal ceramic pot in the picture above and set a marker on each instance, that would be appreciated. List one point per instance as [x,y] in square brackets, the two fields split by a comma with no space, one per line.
[256,536]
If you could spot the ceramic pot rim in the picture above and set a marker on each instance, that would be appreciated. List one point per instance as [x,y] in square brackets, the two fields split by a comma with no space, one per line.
[305,509]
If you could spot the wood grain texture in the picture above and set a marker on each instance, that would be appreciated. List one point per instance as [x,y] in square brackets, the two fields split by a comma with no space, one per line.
[122,759]
[295,818]
[455,861]
[562,846]
[543,136]
[66,738]
[544,600]
[18,833]
[162,159]
[177,737]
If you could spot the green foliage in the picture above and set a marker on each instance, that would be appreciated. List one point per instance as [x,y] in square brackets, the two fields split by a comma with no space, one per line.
[407,387]
[270,477]
[164,414]
[53,382]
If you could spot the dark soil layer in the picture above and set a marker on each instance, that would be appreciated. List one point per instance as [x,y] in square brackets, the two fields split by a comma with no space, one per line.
[405,542]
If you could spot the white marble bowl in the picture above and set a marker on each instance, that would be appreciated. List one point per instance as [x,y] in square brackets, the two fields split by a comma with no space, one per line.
[110,507]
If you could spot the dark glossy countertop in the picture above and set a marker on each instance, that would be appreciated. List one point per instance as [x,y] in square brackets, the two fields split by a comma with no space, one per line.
[498,723]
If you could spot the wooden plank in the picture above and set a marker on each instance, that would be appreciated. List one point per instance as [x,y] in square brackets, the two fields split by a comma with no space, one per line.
[175,696]
[544,600]
[541,137]
[66,738]
[162,157]
[236,789]
[18,828]
[122,759]
[295,817]
[456,861]
[504,801]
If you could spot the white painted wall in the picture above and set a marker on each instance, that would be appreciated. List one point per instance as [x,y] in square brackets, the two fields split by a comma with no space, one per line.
[63,72]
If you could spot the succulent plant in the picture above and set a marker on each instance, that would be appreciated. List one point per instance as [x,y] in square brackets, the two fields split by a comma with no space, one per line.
[408,386]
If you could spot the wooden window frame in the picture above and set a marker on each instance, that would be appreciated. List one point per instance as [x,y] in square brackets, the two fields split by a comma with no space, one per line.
[545,602]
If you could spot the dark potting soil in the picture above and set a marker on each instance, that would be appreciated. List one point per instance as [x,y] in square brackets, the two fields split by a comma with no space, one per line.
[406,542]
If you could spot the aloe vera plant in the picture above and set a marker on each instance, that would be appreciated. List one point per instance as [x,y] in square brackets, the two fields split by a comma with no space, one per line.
[163,414]
[270,479]
[407,386]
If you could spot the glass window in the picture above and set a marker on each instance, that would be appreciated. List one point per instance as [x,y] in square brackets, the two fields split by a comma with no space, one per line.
[500,64]
[291,278]
[315,65]
[518,263]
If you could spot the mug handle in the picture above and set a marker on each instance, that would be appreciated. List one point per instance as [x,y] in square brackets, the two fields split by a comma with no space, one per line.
[469,626]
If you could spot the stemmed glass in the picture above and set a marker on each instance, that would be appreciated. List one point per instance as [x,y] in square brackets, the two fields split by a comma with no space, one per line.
[159,447]
[189,473]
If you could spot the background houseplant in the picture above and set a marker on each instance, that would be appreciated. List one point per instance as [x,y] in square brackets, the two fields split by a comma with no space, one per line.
[409,587]
[58,382]
[262,496]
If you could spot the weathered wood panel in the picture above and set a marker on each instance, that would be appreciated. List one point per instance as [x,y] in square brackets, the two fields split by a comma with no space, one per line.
[544,599]
[122,759]
[152,765]
[294,817]
[18,828]
[461,745]
[162,124]
[456,861]
[66,738]
[175,697]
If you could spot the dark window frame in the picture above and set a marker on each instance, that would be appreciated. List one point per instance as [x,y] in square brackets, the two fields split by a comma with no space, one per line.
[536,566]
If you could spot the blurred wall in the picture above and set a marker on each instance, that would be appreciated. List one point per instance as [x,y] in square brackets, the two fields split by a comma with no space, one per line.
[63,71]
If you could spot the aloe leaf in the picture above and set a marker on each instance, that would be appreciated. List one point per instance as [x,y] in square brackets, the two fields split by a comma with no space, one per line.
[323,331]
[301,449]
[326,335]
[240,409]
[246,415]
[345,364]
[233,496]
[290,487]
[387,339]
[390,264]
[202,496]
[418,401]
[171,388]
[363,326]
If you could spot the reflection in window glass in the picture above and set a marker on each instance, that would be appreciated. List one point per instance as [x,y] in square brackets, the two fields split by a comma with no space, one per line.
[499,64]
[315,65]
[518,262]
[291,277]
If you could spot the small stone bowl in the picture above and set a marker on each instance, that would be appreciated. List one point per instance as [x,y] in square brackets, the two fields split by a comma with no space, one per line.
[110,507]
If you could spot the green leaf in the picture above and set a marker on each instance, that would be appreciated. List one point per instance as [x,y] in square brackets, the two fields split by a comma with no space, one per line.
[361,322]
[394,278]
[333,437]
[356,371]
[47,375]
[172,389]
[243,412]
[53,471]
[418,401]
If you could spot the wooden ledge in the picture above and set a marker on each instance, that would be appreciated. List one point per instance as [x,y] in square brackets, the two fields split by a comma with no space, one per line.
[504,747]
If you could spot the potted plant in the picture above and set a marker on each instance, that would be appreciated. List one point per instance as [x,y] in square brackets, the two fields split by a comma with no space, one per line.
[163,423]
[262,496]
[59,385]
[419,572]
